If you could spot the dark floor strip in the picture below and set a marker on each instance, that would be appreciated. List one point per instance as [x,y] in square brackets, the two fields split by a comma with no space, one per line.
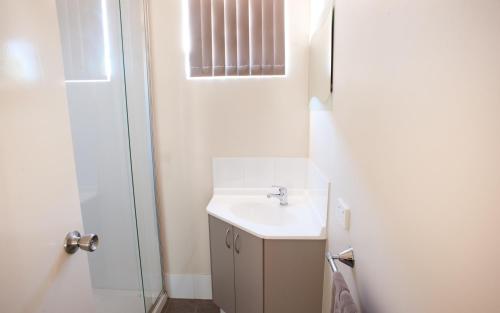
[190,306]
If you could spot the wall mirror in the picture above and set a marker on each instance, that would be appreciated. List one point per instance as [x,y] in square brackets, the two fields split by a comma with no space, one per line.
[321,57]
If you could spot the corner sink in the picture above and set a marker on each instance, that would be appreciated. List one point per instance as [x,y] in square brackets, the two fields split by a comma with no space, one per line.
[254,213]
[265,212]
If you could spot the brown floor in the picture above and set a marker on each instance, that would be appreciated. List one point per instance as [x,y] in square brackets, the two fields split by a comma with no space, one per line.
[190,306]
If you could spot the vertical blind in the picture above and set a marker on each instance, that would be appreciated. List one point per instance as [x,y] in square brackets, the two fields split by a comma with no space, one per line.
[237,37]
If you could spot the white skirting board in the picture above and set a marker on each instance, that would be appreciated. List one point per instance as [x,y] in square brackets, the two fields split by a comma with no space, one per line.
[189,286]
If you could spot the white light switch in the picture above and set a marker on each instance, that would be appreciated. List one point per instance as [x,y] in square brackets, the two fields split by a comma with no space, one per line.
[342,214]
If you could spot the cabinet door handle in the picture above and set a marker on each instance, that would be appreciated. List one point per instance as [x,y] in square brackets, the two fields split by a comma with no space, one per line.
[236,240]
[228,245]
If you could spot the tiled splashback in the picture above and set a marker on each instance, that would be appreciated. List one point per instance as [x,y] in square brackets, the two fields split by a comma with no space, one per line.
[259,172]
[318,187]
[294,173]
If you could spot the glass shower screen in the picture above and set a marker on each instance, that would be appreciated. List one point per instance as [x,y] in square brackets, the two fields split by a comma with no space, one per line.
[105,64]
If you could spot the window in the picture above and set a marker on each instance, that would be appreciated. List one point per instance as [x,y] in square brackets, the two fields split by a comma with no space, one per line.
[236,37]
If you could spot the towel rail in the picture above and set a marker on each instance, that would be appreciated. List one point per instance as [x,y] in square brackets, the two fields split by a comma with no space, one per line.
[346,257]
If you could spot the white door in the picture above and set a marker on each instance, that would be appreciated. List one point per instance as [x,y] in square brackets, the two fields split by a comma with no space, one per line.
[39,200]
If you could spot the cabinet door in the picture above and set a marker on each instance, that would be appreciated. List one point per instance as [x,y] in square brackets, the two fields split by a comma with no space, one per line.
[221,256]
[249,272]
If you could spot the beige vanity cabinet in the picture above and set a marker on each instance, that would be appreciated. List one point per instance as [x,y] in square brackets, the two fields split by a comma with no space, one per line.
[222,263]
[248,272]
[237,267]
[252,275]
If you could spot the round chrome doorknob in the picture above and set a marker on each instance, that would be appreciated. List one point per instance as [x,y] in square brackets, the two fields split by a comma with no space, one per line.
[74,240]
[88,242]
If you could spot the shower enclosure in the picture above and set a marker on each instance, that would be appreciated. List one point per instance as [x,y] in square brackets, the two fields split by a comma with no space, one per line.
[104,49]
[76,155]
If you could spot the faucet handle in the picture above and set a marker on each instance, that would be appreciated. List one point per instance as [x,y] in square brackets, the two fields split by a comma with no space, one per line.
[282,189]
[282,195]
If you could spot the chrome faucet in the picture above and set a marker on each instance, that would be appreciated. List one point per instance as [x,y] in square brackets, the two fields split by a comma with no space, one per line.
[282,195]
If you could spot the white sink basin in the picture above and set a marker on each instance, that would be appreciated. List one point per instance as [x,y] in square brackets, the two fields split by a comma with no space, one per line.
[266,218]
[263,212]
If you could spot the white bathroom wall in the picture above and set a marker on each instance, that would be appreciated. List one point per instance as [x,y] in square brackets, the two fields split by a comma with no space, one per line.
[196,120]
[412,146]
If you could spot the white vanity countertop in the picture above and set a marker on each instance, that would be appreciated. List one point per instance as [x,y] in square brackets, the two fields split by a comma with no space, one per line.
[253,212]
